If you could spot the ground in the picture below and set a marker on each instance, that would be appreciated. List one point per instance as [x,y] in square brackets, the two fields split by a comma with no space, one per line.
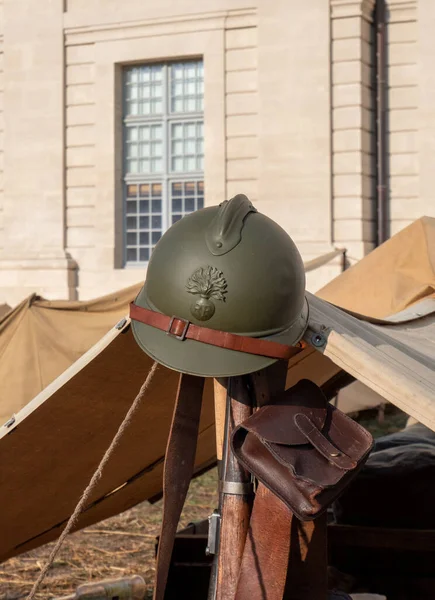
[125,544]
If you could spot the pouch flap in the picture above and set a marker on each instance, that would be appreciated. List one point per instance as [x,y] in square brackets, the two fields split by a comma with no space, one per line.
[322,444]
[276,422]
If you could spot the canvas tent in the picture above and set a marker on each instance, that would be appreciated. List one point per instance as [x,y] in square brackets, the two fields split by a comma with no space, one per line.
[50,449]
[40,338]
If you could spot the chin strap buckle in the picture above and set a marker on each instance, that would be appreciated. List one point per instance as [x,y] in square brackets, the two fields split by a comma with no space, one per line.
[179,336]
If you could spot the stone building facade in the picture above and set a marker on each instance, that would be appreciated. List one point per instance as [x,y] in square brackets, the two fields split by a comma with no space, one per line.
[276,99]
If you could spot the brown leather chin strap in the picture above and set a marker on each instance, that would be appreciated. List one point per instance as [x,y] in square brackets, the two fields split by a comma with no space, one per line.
[185,330]
[178,470]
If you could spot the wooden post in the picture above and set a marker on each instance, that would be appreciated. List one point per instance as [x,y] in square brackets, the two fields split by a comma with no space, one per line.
[220,403]
[235,508]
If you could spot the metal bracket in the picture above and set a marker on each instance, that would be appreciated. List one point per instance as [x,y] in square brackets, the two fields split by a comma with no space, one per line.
[318,340]
[214,524]
[121,323]
[9,422]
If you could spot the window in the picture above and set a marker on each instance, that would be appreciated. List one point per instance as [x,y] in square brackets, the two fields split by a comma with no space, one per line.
[163,151]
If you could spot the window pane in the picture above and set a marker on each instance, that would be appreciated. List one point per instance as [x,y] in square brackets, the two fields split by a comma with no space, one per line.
[186,197]
[141,84]
[132,166]
[156,235]
[131,191]
[131,222]
[177,189]
[144,254]
[144,239]
[177,164]
[156,165]
[131,255]
[131,238]
[144,207]
[144,190]
[143,142]
[177,204]
[144,222]
[156,222]
[190,163]
[190,188]
[186,146]
[131,207]
[156,206]
[186,87]
[190,204]
[157,190]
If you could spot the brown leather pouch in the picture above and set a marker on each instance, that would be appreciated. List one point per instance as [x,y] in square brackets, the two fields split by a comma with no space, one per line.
[302,448]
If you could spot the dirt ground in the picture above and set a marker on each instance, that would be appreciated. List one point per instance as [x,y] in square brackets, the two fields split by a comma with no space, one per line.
[125,545]
[121,546]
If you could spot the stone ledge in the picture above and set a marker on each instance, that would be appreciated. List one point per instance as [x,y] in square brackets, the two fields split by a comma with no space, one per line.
[50,275]
[352,8]
[41,262]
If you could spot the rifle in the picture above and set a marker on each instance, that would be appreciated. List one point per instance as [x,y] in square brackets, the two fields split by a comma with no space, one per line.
[306,562]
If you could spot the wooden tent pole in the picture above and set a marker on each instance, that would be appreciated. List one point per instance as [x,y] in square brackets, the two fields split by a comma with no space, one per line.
[220,403]
[232,406]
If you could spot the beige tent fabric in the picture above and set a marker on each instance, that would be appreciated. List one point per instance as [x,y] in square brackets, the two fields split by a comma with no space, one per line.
[397,360]
[40,338]
[392,277]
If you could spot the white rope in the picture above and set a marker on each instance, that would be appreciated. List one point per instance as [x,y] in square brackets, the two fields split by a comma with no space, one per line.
[95,478]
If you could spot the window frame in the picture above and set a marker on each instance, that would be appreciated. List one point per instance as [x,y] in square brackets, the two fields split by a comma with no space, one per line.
[166,177]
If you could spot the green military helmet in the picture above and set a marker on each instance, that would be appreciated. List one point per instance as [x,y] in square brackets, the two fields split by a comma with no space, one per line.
[222,270]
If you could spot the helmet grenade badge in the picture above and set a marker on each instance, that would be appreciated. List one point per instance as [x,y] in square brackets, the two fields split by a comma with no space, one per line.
[208,282]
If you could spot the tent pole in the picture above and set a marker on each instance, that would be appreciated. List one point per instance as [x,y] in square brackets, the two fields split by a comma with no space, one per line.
[228,528]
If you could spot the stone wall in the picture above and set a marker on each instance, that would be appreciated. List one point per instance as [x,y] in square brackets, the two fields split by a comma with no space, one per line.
[403,95]
[289,121]
[353,126]
[80,152]
[1,125]
[241,109]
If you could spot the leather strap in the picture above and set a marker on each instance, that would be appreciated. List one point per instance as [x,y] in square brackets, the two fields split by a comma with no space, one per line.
[322,444]
[178,470]
[183,329]
[263,571]
[284,558]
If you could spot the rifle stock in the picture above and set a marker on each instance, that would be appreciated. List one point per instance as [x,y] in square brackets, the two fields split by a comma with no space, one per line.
[235,497]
